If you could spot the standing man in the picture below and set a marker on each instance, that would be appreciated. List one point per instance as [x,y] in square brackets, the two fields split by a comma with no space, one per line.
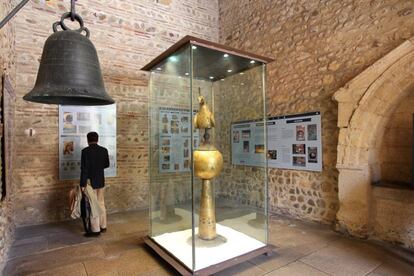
[93,162]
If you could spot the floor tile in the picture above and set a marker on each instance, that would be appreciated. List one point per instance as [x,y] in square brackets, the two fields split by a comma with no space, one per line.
[127,263]
[346,257]
[28,246]
[243,269]
[52,259]
[279,258]
[67,270]
[297,269]
[395,267]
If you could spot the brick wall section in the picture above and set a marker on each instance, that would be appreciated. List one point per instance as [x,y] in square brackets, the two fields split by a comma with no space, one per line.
[396,150]
[318,46]
[7,64]
[127,35]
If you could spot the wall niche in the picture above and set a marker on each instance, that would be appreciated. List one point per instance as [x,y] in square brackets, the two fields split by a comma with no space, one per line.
[396,153]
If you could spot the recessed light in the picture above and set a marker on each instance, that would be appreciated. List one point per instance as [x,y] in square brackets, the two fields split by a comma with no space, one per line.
[229,70]
[241,73]
[252,61]
[180,77]
[187,74]
[225,55]
[194,47]
[211,78]
[159,68]
[173,59]
[222,79]
[242,83]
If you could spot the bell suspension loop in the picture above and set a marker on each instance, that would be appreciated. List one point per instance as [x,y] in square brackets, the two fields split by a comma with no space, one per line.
[74,17]
[62,24]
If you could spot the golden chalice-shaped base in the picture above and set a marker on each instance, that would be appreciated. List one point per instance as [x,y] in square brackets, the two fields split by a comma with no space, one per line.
[208,163]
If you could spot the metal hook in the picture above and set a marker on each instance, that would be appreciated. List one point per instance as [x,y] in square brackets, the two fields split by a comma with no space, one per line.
[72,10]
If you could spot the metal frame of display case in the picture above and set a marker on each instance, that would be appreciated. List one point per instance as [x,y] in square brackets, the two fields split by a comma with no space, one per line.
[149,241]
[205,43]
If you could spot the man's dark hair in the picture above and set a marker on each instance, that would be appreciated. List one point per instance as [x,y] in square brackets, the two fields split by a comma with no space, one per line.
[92,137]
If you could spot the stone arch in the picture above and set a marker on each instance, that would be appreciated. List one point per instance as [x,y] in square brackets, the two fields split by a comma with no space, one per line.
[364,107]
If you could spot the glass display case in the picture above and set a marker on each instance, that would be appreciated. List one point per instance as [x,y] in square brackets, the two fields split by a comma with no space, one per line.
[208,156]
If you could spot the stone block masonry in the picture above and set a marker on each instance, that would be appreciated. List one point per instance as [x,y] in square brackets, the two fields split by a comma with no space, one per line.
[127,35]
[318,46]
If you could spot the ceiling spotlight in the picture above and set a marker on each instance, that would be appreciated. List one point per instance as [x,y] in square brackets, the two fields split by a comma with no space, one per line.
[222,79]
[242,83]
[229,71]
[225,55]
[252,61]
[241,73]
[194,47]
[187,74]
[211,78]
[159,68]
[180,77]
[173,59]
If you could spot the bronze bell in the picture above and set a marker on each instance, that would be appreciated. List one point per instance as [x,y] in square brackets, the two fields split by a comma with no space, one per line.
[69,71]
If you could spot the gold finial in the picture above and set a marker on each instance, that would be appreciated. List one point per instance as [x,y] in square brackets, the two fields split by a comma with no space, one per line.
[204,119]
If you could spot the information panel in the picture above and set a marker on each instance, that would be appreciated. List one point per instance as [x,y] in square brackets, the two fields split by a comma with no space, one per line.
[248,143]
[175,140]
[294,142]
[74,123]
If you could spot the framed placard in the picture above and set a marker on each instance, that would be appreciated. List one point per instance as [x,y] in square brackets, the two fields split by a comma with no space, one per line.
[175,140]
[74,123]
[294,142]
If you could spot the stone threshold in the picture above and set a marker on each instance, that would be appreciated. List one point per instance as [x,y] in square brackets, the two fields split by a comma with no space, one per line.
[394,185]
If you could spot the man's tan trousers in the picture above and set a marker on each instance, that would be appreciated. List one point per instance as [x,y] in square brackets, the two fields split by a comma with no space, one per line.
[99,222]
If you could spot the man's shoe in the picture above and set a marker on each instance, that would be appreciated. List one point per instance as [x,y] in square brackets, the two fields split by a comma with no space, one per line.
[92,234]
[103,230]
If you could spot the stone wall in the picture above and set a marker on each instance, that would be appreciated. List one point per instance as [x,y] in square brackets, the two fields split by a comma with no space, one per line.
[318,46]
[396,150]
[393,216]
[7,66]
[239,98]
[127,35]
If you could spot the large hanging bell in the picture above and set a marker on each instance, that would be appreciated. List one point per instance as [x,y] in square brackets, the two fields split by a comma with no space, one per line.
[69,71]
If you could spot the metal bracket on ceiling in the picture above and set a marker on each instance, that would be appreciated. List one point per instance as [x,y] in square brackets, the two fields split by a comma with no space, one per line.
[13,13]
[23,3]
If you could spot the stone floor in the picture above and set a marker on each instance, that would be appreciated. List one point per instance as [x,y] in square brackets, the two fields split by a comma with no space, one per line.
[301,249]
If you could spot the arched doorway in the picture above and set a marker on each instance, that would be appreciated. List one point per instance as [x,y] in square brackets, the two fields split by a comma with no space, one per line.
[365,105]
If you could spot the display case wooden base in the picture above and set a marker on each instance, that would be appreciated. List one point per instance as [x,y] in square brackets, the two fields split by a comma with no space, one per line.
[184,270]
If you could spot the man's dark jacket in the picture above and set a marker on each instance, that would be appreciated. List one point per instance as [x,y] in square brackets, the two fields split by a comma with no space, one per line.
[93,162]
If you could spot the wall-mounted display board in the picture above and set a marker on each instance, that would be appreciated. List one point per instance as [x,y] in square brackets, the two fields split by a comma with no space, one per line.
[247,143]
[175,140]
[74,123]
[294,142]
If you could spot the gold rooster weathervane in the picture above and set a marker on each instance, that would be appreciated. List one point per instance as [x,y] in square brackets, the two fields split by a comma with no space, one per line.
[208,163]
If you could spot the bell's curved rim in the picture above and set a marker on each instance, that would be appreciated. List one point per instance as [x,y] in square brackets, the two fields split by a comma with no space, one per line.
[69,100]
